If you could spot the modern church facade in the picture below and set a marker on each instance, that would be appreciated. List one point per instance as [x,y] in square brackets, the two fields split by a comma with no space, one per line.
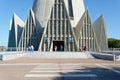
[58,25]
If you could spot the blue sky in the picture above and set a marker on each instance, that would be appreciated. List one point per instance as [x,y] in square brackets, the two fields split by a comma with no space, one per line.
[109,8]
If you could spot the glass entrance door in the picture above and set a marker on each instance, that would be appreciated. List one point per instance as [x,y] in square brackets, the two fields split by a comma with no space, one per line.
[58,45]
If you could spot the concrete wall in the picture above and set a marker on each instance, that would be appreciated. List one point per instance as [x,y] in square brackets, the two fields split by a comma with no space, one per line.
[103,56]
[10,55]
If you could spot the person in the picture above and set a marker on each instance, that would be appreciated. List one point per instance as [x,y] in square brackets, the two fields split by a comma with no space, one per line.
[29,48]
[80,49]
[84,48]
[32,48]
[55,48]
[61,47]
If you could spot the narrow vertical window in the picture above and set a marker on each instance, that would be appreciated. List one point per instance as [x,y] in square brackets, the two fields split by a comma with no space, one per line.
[70,6]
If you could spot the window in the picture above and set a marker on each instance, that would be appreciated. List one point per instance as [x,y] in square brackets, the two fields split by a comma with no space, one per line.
[46,40]
[70,9]
[71,40]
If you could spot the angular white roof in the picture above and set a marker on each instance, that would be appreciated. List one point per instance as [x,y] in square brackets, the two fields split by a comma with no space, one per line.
[78,10]
[42,9]
[17,21]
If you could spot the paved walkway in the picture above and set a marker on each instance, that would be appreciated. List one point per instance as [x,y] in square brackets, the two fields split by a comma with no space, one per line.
[59,69]
[38,60]
[33,68]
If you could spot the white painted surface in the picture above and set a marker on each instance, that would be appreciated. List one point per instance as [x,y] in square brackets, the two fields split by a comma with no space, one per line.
[63,71]
[41,71]
[52,68]
[58,75]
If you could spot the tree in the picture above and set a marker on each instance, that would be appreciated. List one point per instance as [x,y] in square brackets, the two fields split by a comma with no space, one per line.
[113,43]
[2,48]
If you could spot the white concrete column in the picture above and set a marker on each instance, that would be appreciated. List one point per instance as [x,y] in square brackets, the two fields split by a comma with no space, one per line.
[48,34]
[61,20]
[86,27]
[57,20]
[73,46]
[30,27]
[44,44]
[68,36]
[53,24]
[89,38]
[83,33]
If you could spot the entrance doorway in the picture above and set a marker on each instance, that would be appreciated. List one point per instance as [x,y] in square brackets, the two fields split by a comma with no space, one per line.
[58,45]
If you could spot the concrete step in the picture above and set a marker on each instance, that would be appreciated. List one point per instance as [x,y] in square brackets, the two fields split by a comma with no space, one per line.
[63,55]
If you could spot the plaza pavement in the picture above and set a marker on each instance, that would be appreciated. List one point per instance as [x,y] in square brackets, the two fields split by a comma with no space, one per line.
[59,69]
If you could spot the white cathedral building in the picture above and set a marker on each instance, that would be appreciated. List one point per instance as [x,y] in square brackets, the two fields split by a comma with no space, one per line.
[58,25]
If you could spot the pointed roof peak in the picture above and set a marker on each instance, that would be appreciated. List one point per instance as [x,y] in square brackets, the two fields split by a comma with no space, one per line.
[15,15]
[86,9]
[101,16]
[17,20]
[31,14]
[100,19]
